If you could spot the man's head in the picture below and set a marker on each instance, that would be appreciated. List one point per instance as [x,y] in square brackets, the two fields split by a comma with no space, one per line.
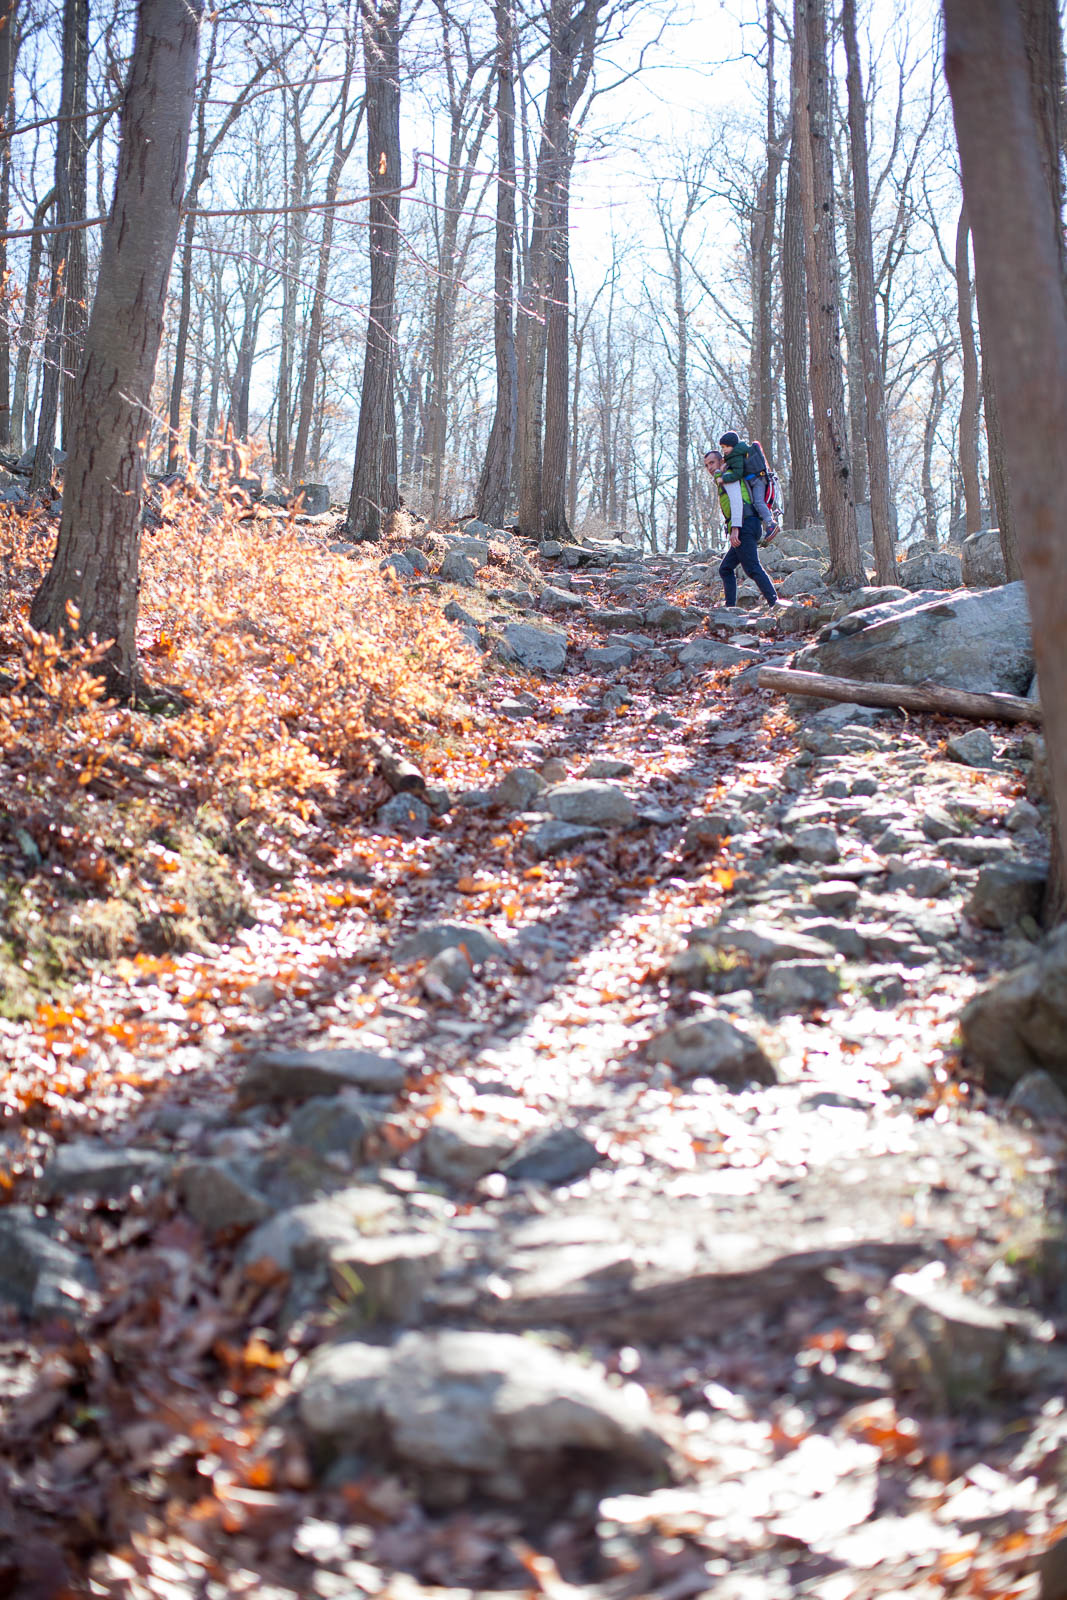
[713,460]
[730,440]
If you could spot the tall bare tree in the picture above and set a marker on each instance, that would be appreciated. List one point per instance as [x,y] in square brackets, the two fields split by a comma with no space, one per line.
[375,491]
[877,438]
[495,483]
[97,554]
[9,46]
[972,494]
[761,247]
[803,505]
[811,115]
[1012,192]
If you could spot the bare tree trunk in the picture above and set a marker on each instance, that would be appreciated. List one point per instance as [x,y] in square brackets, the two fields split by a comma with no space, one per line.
[681,372]
[20,411]
[342,149]
[866,318]
[76,286]
[557,375]
[41,474]
[998,472]
[576,387]
[495,483]
[930,427]
[371,499]
[761,405]
[9,43]
[811,111]
[803,492]
[97,556]
[972,494]
[292,263]
[1011,196]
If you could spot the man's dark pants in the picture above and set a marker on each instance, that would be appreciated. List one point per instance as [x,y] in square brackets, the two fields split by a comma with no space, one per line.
[746,555]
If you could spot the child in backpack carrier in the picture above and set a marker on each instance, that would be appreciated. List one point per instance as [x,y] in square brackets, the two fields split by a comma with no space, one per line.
[746,462]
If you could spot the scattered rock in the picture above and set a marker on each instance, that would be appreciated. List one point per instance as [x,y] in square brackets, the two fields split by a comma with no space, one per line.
[518,788]
[710,830]
[944,1345]
[973,748]
[553,599]
[273,1075]
[557,838]
[982,560]
[447,974]
[802,983]
[607,767]
[394,1271]
[609,658]
[491,1411]
[835,895]
[1038,1097]
[90,1167]
[710,653]
[335,1125]
[311,499]
[303,1238]
[406,815]
[933,569]
[556,1156]
[479,943]
[590,801]
[763,942]
[817,842]
[461,1149]
[1020,1022]
[712,1047]
[537,649]
[1006,893]
[40,1274]
[458,568]
[219,1195]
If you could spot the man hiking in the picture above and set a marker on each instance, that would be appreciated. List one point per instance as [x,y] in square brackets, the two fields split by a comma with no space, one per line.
[745,537]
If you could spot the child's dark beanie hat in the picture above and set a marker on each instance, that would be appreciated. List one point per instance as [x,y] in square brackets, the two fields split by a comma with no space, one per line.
[731,440]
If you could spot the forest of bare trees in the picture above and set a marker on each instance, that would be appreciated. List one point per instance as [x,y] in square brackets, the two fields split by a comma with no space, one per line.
[473,248]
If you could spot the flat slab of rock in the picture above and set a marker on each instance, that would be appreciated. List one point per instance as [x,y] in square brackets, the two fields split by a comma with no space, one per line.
[976,639]
[712,653]
[479,943]
[537,649]
[461,1149]
[91,1167]
[556,1156]
[713,1047]
[592,801]
[763,942]
[557,838]
[298,1074]
[498,1411]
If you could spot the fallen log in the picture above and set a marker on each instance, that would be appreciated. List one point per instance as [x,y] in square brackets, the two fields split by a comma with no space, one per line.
[905,696]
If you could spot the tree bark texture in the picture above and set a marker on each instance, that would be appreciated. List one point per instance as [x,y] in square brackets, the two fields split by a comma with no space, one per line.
[866,316]
[495,484]
[95,567]
[803,501]
[681,373]
[908,696]
[21,412]
[342,149]
[8,54]
[930,427]
[372,497]
[811,111]
[761,238]
[972,494]
[1010,198]
[76,286]
[52,361]
[544,381]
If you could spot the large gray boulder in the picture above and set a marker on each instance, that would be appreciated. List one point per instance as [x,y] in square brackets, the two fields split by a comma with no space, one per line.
[491,1411]
[312,499]
[983,560]
[1020,1022]
[931,569]
[977,639]
[590,801]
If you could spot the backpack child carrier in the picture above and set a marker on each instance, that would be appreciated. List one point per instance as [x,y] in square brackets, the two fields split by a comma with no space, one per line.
[756,466]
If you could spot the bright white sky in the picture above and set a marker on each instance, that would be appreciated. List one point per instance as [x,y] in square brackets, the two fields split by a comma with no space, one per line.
[699,66]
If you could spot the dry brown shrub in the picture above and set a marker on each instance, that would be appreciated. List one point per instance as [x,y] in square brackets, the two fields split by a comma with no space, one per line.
[286,657]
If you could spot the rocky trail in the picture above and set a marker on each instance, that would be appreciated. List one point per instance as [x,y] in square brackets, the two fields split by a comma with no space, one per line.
[576,1182]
